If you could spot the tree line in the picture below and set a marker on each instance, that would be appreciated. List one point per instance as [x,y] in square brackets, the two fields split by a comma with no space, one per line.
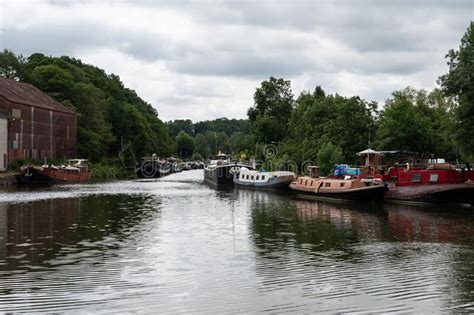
[324,128]
[111,117]
[330,129]
[201,139]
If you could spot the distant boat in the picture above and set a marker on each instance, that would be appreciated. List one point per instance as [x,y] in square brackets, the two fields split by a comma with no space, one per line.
[338,188]
[76,170]
[263,180]
[220,170]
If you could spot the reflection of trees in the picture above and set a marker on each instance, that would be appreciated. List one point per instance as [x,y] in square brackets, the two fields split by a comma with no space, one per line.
[278,222]
[36,232]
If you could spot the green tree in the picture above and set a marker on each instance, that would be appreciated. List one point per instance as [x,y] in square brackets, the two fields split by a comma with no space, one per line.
[108,112]
[201,146]
[319,118]
[178,125]
[273,103]
[185,144]
[459,83]
[196,157]
[93,132]
[11,65]
[127,155]
[416,121]
[328,155]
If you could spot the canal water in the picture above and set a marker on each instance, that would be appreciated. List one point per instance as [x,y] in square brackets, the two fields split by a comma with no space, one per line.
[176,245]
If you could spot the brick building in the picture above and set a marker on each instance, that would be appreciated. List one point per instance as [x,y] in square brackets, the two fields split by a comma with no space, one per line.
[33,125]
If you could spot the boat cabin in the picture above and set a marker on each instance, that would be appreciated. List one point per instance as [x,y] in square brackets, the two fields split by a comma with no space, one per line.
[440,173]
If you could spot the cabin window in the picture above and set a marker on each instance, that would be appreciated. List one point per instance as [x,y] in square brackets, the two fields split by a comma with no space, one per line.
[257,178]
[327,184]
[306,183]
[16,113]
[416,178]
[434,178]
[342,184]
[247,177]
[311,184]
[251,177]
[263,177]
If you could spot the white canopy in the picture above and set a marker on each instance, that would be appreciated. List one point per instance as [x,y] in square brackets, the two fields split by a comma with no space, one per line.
[368,151]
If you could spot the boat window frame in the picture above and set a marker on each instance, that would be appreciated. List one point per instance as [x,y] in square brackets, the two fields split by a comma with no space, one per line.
[416,178]
[263,177]
[434,177]
[327,184]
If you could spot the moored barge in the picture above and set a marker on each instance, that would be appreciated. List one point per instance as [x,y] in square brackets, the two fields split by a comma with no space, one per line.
[350,189]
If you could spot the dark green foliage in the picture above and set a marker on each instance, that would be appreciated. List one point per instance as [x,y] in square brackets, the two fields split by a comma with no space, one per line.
[417,121]
[178,125]
[185,144]
[328,156]
[108,113]
[11,66]
[212,136]
[196,157]
[229,126]
[273,104]
[459,83]
[127,155]
[319,119]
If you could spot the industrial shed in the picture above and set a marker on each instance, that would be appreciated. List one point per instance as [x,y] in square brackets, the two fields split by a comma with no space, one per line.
[33,125]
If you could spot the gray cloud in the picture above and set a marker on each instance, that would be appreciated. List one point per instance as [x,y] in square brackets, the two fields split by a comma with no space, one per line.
[232,45]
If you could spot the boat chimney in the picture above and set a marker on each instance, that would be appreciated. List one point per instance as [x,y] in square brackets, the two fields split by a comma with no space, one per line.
[313,171]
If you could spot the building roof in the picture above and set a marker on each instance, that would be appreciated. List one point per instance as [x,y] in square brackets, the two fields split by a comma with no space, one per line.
[24,93]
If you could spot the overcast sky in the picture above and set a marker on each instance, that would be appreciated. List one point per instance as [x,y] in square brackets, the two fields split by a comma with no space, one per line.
[203,59]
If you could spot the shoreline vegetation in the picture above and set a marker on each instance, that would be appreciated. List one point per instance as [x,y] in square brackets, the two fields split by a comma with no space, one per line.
[116,127]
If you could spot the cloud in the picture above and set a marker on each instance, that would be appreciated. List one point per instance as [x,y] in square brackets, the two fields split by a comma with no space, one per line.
[204,59]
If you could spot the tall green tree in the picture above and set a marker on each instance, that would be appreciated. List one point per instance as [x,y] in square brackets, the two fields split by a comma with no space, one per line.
[185,145]
[11,65]
[109,114]
[319,119]
[459,83]
[416,121]
[273,104]
[201,146]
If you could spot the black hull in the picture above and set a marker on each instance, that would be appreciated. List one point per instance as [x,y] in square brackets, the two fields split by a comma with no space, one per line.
[374,193]
[223,174]
[35,178]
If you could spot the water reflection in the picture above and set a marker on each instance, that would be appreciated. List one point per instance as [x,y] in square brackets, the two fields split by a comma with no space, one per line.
[177,245]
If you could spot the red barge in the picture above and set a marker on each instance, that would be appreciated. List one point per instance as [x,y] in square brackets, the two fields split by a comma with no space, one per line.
[425,181]
[76,170]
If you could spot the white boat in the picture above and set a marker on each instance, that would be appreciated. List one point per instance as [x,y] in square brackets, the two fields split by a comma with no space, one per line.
[262,179]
